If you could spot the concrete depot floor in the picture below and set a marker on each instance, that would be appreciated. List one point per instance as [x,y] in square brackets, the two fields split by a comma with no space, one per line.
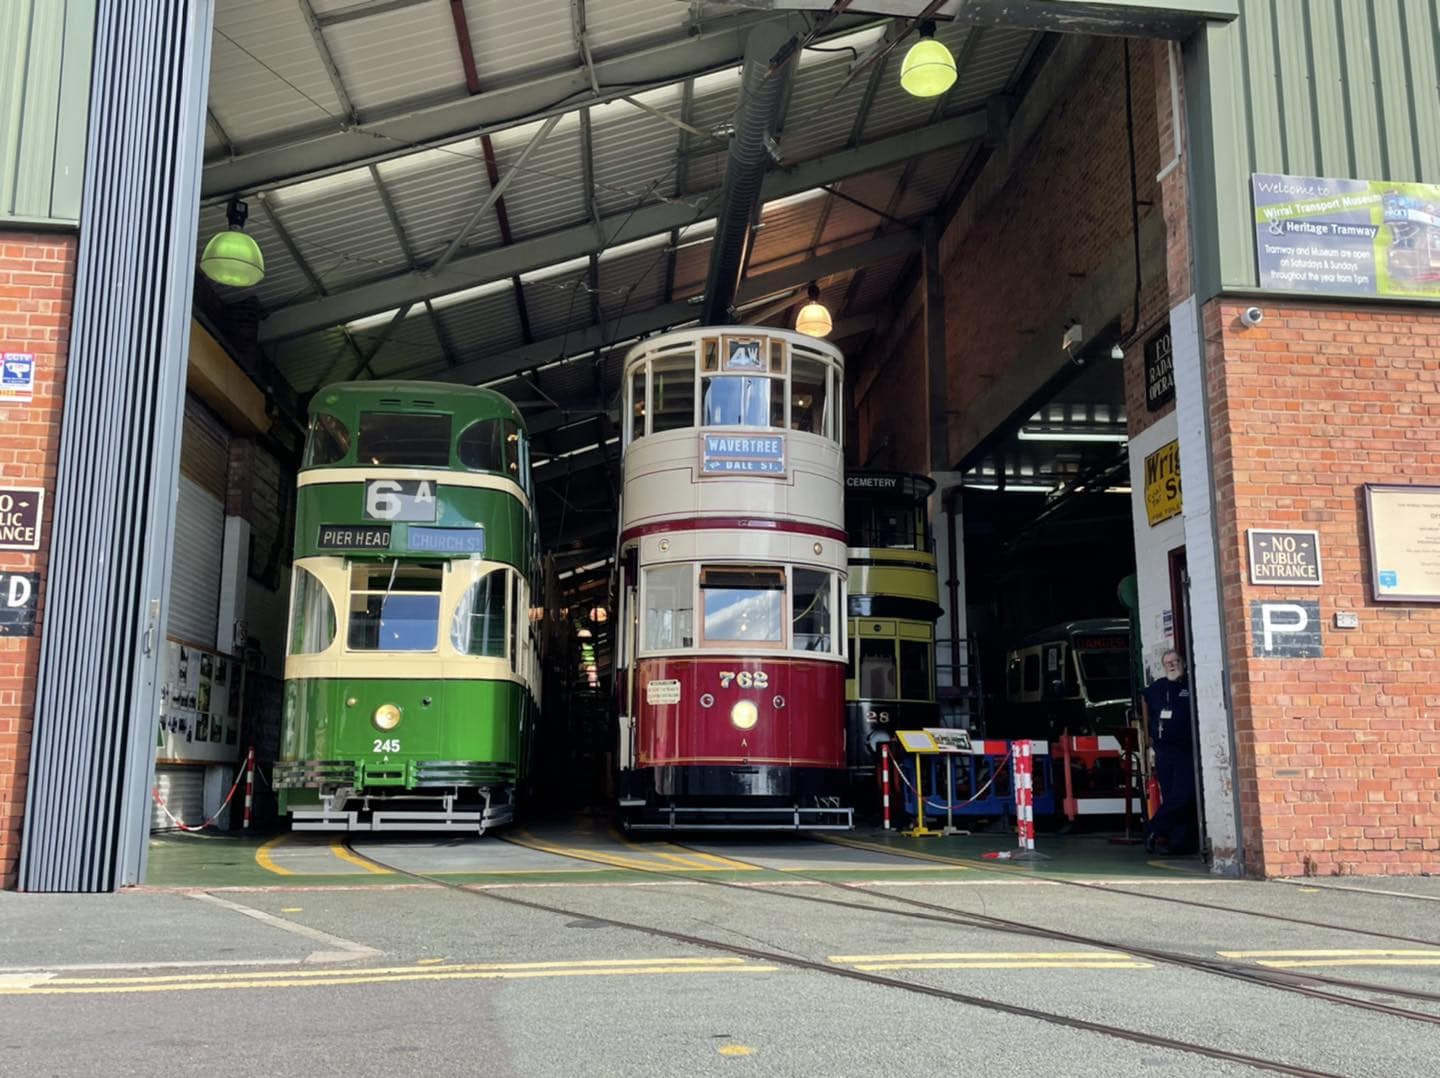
[205,967]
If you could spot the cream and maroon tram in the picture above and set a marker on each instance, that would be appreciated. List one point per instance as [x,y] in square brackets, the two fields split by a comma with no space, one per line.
[731,583]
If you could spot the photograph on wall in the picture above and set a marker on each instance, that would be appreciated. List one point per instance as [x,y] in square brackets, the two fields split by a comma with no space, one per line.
[1347,237]
[1404,524]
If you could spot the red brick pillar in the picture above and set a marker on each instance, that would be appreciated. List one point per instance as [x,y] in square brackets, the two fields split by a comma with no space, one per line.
[1338,755]
[37,278]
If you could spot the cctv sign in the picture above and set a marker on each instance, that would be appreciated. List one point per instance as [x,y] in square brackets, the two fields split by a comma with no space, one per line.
[1286,630]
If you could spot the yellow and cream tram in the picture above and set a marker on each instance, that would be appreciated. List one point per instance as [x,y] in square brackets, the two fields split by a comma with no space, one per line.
[731,582]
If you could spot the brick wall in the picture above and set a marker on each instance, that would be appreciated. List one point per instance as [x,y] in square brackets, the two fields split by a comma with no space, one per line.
[1339,757]
[37,274]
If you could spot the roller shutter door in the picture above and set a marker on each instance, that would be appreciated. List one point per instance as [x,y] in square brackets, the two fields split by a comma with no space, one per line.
[199,528]
[183,789]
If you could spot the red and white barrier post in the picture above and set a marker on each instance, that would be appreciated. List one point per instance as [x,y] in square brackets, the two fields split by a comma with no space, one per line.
[1024,795]
[885,782]
[249,784]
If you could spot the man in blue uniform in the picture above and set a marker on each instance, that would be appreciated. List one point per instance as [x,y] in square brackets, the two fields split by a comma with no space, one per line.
[1167,718]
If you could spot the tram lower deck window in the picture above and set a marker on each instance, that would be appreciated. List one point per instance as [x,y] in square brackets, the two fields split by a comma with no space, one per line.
[877,669]
[743,605]
[810,606]
[669,607]
[394,606]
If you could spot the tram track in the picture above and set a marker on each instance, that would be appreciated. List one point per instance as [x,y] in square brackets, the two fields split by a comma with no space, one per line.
[1313,985]
[796,962]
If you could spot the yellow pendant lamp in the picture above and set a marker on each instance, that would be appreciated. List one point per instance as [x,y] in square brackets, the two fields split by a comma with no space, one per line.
[814,318]
[928,69]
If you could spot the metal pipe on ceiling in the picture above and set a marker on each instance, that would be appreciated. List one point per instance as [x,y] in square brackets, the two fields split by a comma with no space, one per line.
[762,88]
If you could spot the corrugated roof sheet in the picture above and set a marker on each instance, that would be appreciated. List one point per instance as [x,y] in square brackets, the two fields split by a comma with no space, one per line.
[398,56]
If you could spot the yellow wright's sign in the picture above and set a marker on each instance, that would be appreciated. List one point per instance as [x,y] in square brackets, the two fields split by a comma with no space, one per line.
[1162,483]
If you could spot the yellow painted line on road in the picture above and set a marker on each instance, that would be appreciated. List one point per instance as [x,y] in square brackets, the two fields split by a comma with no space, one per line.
[932,956]
[324,978]
[265,861]
[875,847]
[885,967]
[695,860]
[1282,963]
[524,838]
[1363,952]
[735,1050]
[351,858]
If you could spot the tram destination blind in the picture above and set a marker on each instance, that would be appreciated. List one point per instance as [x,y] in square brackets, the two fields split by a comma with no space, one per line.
[354,537]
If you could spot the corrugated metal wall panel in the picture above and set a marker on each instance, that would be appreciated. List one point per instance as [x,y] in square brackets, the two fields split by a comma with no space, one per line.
[45,52]
[183,789]
[1307,88]
[92,750]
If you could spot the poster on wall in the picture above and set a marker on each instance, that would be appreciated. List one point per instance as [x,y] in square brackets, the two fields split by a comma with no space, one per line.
[200,696]
[1347,237]
[1162,483]
[17,377]
[1404,525]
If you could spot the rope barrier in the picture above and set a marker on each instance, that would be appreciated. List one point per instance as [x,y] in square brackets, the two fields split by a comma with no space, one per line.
[994,771]
[181,824]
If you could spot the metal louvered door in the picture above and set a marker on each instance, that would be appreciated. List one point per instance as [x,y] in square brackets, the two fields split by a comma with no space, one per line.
[96,700]
[199,528]
[183,788]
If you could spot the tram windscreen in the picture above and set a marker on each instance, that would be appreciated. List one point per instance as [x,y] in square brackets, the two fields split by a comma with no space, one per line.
[404,440]
[740,400]
[743,605]
[395,606]
[877,669]
[1106,675]
[915,670]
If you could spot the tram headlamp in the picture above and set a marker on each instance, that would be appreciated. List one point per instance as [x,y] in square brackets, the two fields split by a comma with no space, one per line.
[744,715]
[386,717]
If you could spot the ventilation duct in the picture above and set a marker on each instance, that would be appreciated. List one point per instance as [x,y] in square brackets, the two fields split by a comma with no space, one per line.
[762,93]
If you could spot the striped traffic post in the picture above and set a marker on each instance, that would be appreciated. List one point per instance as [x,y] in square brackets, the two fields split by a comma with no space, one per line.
[1024,795]
[249,784]
[885,782]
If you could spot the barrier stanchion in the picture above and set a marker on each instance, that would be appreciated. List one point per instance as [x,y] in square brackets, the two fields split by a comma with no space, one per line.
[249,785]
[885,782]
[1023,782]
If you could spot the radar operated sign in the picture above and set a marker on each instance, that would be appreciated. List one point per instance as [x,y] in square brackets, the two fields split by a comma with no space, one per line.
[1347,237]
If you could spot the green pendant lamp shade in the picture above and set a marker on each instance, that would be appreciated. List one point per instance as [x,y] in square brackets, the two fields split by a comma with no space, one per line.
[232,257]
[929,69]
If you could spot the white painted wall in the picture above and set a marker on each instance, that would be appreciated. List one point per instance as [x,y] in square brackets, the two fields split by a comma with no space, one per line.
[1152,549]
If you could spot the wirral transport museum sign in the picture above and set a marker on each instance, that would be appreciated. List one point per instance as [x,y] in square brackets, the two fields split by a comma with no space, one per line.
[1347,237]
[1284,557]
[1162,483]
[1404,524]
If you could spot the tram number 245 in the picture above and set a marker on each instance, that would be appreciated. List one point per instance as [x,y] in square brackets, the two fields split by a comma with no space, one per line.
[746,679]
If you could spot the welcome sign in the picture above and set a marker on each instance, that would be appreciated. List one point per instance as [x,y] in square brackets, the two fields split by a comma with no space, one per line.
[742,454]
[1347,237]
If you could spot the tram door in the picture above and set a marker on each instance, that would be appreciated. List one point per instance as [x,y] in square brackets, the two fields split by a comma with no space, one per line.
[1184,636]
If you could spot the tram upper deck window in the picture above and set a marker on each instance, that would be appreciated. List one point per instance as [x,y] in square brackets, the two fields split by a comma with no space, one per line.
[810,611]
[672,393]
[743,605]
[808,397]
[312,615]
[743,400]
[669,607]
[395,606]
[637,403]
[482,446]
[404,439]
[329,441]
[478,627]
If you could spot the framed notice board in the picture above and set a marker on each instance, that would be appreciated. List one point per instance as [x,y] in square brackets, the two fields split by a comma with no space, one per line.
[1404,528]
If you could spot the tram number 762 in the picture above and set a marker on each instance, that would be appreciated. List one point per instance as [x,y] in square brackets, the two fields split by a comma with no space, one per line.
[746,679]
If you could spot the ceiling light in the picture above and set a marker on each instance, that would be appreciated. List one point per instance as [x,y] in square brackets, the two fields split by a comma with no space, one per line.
[929,69]
[813,319]
[231,257]
[1062,435]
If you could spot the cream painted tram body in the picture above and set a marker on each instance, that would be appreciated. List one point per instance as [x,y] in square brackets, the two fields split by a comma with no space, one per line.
[731,583]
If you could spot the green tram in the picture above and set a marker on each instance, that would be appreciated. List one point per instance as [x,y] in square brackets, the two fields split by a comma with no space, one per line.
[894,601]
[1069,678]
[414,707]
